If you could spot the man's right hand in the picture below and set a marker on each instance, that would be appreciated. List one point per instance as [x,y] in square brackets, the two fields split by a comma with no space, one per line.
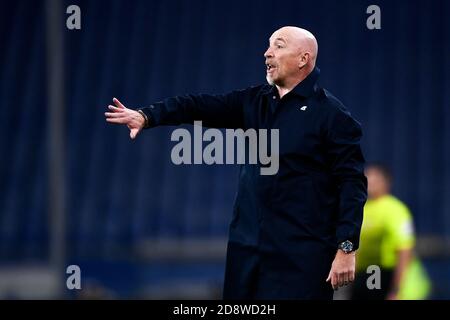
[122,115]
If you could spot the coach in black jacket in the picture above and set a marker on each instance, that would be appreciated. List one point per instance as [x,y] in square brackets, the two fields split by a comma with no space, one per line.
[294,232]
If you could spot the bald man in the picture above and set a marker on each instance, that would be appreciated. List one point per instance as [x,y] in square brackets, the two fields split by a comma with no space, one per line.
[293,235]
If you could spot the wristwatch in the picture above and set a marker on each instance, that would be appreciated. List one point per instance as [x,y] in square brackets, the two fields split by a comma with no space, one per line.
[346,246]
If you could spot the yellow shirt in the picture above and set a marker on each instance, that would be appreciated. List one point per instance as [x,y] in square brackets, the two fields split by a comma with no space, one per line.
[387,227]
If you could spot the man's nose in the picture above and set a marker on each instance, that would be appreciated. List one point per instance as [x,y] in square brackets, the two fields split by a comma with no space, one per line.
[268,53]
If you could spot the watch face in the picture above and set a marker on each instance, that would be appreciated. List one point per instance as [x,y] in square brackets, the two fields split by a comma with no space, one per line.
[347,246]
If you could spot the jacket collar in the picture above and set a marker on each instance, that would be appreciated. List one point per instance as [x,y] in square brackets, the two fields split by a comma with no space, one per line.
[305,88]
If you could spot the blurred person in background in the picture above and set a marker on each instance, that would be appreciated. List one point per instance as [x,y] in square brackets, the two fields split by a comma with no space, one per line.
[387,240]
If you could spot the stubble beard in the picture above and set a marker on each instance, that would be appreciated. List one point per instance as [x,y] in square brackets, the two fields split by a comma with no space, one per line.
[269,80]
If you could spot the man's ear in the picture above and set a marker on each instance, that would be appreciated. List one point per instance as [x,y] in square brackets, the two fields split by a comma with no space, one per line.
[304,59]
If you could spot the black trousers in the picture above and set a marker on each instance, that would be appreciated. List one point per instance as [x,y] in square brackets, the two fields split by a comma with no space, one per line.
[252,275]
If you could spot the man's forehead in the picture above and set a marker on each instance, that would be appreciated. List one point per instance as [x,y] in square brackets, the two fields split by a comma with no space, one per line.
[279,36]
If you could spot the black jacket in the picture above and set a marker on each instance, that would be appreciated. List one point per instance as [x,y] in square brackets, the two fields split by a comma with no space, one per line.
[316,199]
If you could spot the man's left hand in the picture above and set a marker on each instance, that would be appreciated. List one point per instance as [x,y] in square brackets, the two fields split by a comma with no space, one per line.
[342,270]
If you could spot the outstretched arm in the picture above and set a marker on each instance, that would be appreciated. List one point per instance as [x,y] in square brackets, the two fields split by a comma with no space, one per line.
[217,111]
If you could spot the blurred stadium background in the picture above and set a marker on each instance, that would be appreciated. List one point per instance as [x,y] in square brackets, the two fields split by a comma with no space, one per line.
[75,190]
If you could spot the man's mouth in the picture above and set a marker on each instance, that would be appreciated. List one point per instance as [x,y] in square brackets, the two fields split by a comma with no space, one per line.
[270,67]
